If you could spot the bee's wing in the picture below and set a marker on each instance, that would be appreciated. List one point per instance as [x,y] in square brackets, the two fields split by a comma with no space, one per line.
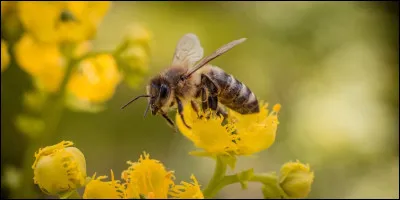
[214,55]
[188,51]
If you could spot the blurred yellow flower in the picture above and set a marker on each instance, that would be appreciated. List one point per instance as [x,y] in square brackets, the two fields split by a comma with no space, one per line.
[95,79]
[59,168]
[81,49]
[147,177]
[187,190]
[70,21]
[135,57]
[242,135]
[138,34]
[7,6]
[97,189]
[42,61]
[5,57]
[296,179]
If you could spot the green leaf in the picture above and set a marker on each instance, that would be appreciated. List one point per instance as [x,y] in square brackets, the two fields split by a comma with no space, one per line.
[29,125]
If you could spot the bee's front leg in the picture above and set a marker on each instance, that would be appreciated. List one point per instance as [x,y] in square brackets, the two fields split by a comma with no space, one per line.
[170,122]
[180,110]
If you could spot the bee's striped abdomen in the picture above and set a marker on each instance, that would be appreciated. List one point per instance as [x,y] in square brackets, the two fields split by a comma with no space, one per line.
[233,93]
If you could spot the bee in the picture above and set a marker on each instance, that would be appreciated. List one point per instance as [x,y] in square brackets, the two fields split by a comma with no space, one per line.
[191,79]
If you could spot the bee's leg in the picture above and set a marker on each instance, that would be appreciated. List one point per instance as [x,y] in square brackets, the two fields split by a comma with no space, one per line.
[213,92]
[170,122]
[221,111]
[204,102]
[195,107]
[180,110]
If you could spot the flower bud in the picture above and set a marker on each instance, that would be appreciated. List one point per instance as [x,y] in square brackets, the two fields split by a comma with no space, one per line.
[296,179]
[59,168]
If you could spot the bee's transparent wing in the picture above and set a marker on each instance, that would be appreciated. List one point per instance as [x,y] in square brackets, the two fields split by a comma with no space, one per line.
[188,51]
[214,55]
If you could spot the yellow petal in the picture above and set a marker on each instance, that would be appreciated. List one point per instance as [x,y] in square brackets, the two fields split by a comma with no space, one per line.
[97,189]
[5,57]
[187,190]
[147,177]
[207,134]
[256,132]
[59,168]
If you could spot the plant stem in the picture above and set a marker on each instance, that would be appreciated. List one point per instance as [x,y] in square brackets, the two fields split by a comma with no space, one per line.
[74,195]
[266,179]
[219,174]
[52,115]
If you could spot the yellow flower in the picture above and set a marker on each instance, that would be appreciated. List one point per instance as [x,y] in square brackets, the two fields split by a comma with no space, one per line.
[95,79]
[138,34]
[7,7]
[71,21]
[5,57]
[42,61]
[59,168]
[97,189]
[296,179]
[241,135]
[147,177]
[187,190]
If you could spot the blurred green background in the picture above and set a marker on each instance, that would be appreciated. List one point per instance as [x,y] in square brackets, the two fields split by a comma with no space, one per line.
[333,66]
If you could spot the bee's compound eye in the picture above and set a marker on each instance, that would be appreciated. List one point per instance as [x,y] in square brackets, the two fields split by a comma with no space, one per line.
[164,90]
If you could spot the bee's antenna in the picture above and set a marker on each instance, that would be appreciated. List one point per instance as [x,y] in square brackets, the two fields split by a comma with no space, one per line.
[134,100]
[147,109]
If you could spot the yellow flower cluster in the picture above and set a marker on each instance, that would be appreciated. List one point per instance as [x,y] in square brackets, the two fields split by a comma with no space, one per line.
[66,21]
[61,169]
[53,44]
[240,135]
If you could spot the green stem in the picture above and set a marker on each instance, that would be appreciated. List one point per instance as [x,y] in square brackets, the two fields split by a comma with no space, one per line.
[74,195]
[219,174]
[52,115]
[266,179]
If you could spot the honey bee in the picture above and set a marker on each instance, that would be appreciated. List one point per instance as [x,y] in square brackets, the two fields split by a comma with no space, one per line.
[191,78]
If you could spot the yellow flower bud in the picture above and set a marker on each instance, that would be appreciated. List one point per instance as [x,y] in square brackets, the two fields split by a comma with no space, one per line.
[5,57]
[296,179]
[97,189]
[138,34]
[59,168]
[147,177]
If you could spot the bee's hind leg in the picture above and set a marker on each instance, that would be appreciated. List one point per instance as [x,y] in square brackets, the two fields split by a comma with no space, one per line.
[221,111]
[180,110]
[212,89]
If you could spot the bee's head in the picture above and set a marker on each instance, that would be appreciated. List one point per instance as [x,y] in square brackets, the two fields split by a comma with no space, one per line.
[160,94]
